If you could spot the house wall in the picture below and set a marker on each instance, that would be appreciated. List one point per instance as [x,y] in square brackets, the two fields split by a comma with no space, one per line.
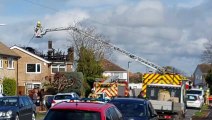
[121,74]
[23,76]
[8,72]
[198,77]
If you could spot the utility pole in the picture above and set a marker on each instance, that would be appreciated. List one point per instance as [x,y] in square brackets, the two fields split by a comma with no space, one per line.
[128,72]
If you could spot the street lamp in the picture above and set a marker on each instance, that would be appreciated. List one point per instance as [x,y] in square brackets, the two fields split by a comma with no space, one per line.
[128,72]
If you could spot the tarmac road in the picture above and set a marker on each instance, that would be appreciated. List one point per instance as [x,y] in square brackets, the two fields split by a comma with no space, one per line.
[189,113]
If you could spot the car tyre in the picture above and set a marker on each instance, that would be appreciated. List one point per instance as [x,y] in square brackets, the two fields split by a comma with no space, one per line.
[33,116]
[17,117]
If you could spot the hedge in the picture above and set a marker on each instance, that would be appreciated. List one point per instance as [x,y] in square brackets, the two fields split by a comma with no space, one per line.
[9,86]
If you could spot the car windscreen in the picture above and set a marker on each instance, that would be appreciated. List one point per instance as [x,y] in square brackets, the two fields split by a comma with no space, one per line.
[8,101]
[72,115]
[130,109]
[191,98]
[194,92]
[62,97]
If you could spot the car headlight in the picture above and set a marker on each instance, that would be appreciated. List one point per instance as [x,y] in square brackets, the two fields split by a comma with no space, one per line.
[1,113]
[9,113]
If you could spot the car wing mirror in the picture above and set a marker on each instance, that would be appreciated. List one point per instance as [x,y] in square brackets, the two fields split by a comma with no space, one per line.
[154,115]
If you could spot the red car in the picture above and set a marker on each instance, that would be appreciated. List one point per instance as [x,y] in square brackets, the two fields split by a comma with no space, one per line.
[83,111]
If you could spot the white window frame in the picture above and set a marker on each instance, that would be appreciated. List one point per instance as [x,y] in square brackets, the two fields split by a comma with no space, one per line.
[119,74]
[10,63]
[36,65]
[1,62]
[58,67]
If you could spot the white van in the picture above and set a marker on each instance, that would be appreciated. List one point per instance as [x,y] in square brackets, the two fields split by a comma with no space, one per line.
[199,92]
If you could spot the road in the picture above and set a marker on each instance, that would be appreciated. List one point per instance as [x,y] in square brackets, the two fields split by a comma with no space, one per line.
[189,113]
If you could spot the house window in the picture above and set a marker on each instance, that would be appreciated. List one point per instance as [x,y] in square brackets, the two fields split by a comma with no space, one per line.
[10,63]
[58,68]
[1,62]
[33,68]
[120,75]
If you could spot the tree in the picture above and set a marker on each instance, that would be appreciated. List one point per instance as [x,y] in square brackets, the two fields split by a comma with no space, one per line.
[9,86]
[89,53]
[59,82]
[65,82]
[208,79]
[207,52]
[90,67]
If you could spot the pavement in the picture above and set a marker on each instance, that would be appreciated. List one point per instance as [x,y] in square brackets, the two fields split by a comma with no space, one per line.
[189,113]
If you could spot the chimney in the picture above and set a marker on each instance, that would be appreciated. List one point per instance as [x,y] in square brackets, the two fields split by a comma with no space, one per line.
[50,50]
[70,56]
[49,45]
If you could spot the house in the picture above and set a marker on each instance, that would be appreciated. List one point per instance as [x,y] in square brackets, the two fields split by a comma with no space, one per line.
[8,64]
[34,69]
[200,74]
[111,69]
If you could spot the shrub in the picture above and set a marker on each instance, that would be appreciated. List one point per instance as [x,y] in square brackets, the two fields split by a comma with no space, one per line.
[9,86]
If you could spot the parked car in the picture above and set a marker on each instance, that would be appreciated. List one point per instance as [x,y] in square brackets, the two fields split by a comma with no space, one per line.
[47,101]
[193,100]
[17,108]
[195,91]
[2,95]
[83,111]
[61,97]
[135,108]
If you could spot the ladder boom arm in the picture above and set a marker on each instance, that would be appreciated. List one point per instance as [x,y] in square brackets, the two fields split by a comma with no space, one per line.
[130,55]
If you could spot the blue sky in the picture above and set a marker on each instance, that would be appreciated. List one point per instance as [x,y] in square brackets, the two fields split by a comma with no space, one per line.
[166,32]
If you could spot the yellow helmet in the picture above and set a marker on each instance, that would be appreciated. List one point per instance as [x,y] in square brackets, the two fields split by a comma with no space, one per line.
[38,24]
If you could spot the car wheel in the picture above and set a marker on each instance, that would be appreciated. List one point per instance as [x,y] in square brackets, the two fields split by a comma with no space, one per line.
[33,116]
[16,117]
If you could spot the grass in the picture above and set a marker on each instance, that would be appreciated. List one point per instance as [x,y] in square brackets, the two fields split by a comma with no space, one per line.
[40,116]
[202,112]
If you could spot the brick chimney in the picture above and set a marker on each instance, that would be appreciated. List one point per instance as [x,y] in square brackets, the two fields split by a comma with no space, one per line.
[70,56]
[50,50]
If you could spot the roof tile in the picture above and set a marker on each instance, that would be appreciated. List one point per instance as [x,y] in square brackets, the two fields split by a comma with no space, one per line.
[4,50]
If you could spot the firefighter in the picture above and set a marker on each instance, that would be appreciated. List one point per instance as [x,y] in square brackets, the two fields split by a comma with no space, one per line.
[38,29]
[207,94]
[92,94]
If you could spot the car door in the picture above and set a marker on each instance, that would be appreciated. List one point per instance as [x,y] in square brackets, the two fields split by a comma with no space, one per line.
[28,108]
[152,113]
[22,110]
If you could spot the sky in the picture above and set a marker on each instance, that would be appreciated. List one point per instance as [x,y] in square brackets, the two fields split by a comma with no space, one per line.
[165,32]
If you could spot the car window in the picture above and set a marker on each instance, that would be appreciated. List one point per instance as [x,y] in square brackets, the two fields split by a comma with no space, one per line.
[21,102]
[30,100]
[108,115]
[113,113]
[118,113]
[191,98]
[61,97]
[129,109]
[152,111]
[4,101]
[198,92]
[72,115]
[25,100]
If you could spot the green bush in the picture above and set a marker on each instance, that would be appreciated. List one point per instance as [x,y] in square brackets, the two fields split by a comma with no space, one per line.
[9,86]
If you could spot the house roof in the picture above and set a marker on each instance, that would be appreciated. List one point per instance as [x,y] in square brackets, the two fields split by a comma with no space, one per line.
[29,53]
[204,68]
[110,66]
[4,50]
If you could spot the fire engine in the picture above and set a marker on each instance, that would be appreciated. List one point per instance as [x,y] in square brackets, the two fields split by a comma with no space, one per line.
[111,87]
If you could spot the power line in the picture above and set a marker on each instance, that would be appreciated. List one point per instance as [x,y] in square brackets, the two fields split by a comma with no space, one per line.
[41,5]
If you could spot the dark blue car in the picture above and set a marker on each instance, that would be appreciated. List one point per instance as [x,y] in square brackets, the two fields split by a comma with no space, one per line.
[17,108]
[135,108]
